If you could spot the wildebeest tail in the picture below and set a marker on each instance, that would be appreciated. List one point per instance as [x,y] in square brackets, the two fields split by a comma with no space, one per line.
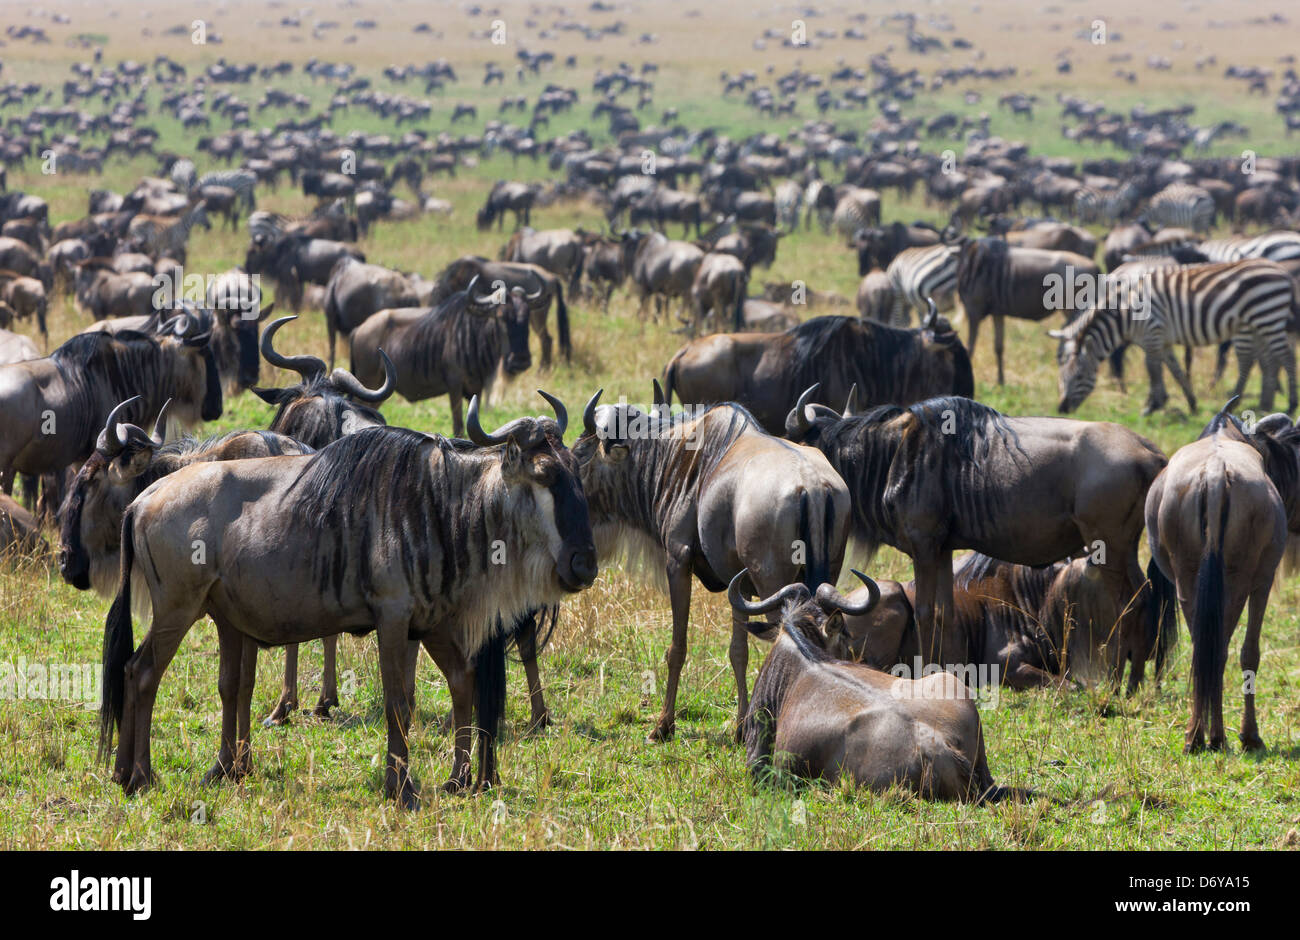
[738,302]
[963,380]
[815,530]
[562,322]
[490,689]
[119,644]
[575,279]
[1209,642]
[670,378]
[533,631]
[1161,615]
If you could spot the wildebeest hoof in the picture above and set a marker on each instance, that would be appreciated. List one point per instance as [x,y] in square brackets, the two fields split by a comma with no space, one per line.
[280,716]
[1253,743]
[539,722]
[661,732]
[322,709]
[407,793]
[1194,745]
[455,785]
[139,781]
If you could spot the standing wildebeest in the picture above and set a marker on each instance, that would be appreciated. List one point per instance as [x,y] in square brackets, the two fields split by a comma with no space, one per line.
[357,290]
[507,197]
[53,409]
[607,263]
[877,247]
[817,716]
[102,292]
[709,496]
[662,205]
[765,372]
[26,297]
[294,260]
[875,299]
[665,269]
[720,285]
[501,276]
[19,529]
[998,280]
[1218,520]
[398,528]
[559,251]
[453,349]
[950,473]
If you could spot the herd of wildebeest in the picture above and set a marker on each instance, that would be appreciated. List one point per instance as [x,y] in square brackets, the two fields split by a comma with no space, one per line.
[795,433]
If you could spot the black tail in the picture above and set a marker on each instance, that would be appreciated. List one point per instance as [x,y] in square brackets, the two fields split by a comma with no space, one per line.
[575,279]
[562,322]
[963,380]
[817,551]
[1161,615]
[742,288]
[490,688]
[119,644]
[1209,645]
[670,378]
[532,632]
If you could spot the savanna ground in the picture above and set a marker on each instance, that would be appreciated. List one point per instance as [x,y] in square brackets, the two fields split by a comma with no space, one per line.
[1113,765]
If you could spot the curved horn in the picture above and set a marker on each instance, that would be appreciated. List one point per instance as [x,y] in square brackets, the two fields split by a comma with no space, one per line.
[160,426]
[561,413]
[829,599]
[349,384]
[307,366]
[589,413]
[928,322]
[660,398]
[851,403]
[754,608]
[110,442]
[797,419]
[476,433]
[1227,409]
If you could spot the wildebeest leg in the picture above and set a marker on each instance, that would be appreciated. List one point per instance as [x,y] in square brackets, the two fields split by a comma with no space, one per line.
[538,318]
[739,654]
[231,648]
[679,593]
[143,672]
[1249,735]
[998,333]
[288,703]
[459,673]
[399,696]
[457,420]
[329,687]
[1218,738]
[972,330]
[247,680]
[1181,378]
[526,641]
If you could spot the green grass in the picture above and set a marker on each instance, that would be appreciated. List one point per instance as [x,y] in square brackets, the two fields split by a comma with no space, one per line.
[1111,769]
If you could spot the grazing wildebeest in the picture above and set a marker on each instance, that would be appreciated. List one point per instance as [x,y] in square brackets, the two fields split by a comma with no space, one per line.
[998,280]
[53,409]
[665,269]
[21,258]
[500,276]
[507,197]
[559,251]
[766,372]
[662,205]
[709,495]
[453,349]
[398,528]
[356,290]
[1218,520]
[819,717]
[950,473]
[719,288]
[103,292]
[294,260]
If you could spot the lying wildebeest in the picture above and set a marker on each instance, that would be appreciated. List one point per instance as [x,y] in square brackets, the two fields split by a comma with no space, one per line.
[295,260]
[102,292]
[357,290]
[507,197]
[719,289]
[766,372]
[453,349]
[1218,520]
[559,251]
[398,528]
[501,276]
[998,280]
[53,409]
[816,716]
[1023,627]
[709,495]
[665,269]
[950,473]
[19,530]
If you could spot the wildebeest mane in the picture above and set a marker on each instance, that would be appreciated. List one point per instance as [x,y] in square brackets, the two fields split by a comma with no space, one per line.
[104,367]
[318,426]
[475,342]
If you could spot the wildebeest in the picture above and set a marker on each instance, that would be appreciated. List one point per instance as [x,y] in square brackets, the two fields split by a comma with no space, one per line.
[877,247]
[53,408]
[719,289]
[507,197]
[14,347]
[27,298]
[295,260]
[607,263]
[662,205]
[664,268]
[453,349]
[559,251]
[102,292]
[950,473]
[1218,520]
[766,372]
[998,280]
[817,716]
[707,495]
[875,299]
[357,290]
[395,530]
[19,530]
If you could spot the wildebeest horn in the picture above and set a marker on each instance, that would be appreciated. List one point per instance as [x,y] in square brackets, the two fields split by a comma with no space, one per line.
[797,419]
[110,442]
[160,426]
[348,383]
[561,413]
[851,403]
[1227,409]
[475,429]
[531,298]
[829,599]
[306,366]
[753,608]
[928,322]
[660,398]
[589,413]
[1272,424]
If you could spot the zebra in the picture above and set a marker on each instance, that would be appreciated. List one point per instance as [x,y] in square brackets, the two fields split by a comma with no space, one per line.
[1249,302]
[857,208]
[928,271]
[1181,205]
[789,200]
[182,174]
[1279,246]
[243,182]
[164,236]
[819,198]
[1108,206]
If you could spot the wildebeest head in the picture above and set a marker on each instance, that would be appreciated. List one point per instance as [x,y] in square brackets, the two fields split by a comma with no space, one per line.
[819,617]
[191,333]
[324,406]
[535,461]
[513,308]
[807,420]
[90,520]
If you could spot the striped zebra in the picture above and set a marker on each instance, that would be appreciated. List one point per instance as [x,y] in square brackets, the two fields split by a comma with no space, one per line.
[183,174]
[243,182]
[921,272]
[1279,246]
[1181,205]
[1248,302]
[857,208]
[789,200]
[162,236]
[1106,206]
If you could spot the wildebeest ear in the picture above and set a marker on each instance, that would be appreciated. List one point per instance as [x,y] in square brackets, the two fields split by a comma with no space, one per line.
[512,461]
[272,396]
